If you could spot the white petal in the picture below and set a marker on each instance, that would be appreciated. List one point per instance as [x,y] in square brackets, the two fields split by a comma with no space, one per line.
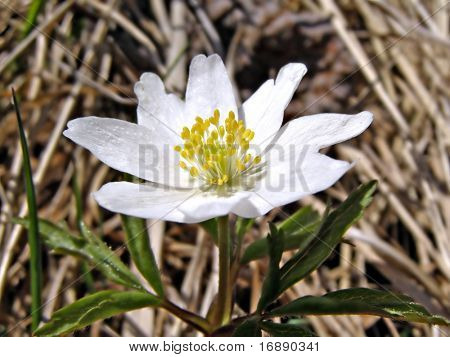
[130,148]
[169,204]
[206,205]
[322,130]
[145,201]
[156,108]
[264,110]
[208,88]
[291,178]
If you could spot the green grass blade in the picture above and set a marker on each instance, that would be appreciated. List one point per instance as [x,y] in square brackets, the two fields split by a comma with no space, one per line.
[33,12]
[87,274]
[269,291]
[138,243]
[141,252]
[33,231]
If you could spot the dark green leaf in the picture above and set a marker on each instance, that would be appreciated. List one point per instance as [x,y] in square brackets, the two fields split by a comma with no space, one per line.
[361,301]
[139,246]
[249,328]
[34,241]
[296,237]
[286,330]
[95,307]
[92,249]
[333,227]
[269,291]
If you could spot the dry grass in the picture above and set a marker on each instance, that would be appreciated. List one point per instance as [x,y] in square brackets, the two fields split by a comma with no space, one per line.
[389,57]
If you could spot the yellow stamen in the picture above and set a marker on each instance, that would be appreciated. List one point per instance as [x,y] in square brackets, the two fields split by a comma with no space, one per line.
[215,150]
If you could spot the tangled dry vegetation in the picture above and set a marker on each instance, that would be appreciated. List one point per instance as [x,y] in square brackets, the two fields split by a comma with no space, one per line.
[83,57]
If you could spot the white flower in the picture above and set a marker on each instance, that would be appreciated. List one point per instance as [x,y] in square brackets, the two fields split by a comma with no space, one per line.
[206,157]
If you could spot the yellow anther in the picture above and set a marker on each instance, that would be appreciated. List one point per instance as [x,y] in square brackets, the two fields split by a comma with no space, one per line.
[185,134]
[193,171]
[216,114]
[184,154]
[206,124]
[214,120]
[240,166]
[197,139]
[216,153]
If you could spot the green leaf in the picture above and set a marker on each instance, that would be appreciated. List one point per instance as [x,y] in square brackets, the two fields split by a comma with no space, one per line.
[211,227]
[269,291]
[98,306]
[361,301]
[249,328]
[142,254]
[300,220]
[34,241]
[242,226]
[296,235]
[333,227]
[286,330]
[91,249]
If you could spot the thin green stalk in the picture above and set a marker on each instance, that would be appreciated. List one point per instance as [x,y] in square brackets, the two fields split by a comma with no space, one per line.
[33,230]
[224,301]
[87,274]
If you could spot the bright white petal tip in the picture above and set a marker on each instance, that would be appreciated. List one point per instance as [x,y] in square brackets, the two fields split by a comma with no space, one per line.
[208,88]
[264,110]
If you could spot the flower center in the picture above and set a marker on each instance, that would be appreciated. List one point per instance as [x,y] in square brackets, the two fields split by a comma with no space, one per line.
[216,153]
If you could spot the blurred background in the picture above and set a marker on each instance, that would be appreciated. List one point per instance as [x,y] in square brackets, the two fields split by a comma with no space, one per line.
[71,58]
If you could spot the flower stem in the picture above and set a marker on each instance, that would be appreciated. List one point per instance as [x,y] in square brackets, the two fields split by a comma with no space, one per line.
[224,295]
